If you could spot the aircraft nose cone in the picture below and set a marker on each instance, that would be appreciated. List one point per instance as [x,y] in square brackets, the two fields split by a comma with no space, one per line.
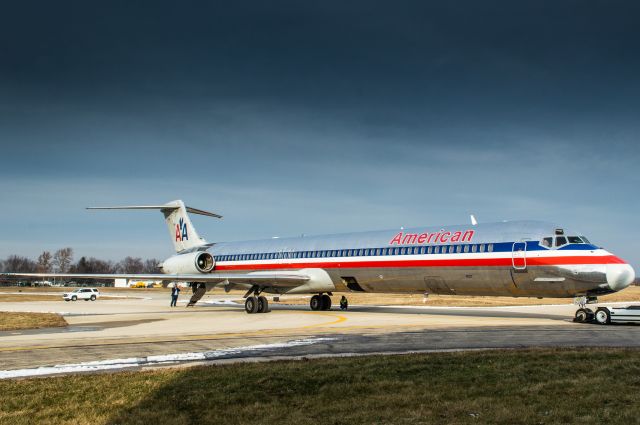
[619,276]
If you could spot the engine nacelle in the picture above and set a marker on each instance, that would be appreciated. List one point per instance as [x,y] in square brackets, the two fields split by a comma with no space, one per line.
[191,263]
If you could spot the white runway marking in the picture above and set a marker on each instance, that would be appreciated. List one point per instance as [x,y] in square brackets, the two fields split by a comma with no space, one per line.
[102,365]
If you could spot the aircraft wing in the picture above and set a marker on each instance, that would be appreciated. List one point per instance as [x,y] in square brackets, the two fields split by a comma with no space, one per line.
[268,279]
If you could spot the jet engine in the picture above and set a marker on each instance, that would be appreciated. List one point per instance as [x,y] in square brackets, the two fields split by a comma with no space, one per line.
[191,263]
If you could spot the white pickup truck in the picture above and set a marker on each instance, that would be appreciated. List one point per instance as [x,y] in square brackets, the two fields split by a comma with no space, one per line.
[82,294]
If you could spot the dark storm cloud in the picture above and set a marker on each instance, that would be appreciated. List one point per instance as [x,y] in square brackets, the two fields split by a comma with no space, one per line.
[414,111]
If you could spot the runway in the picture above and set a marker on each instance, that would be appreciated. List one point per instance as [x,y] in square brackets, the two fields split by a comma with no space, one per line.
[145,332]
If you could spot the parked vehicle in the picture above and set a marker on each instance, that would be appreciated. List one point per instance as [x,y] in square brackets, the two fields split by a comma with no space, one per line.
[608,315]
[82,294]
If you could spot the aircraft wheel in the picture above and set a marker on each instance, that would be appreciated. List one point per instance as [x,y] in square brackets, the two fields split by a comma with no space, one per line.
[251,305]
[315,303]
[582,316]
[263,304]
[326,302]
[603,317]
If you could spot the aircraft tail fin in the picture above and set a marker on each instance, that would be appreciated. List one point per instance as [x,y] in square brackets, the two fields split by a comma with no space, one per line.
[181,230]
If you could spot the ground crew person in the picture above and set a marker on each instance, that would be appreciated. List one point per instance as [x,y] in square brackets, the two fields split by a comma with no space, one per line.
[174,294]
[344,304]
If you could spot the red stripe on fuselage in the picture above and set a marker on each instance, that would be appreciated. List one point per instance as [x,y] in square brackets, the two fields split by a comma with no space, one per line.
[471,262]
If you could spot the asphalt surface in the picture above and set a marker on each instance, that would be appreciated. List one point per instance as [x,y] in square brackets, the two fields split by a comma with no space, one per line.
[152,334]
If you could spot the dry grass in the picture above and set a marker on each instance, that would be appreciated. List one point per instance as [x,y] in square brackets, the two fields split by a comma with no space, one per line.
[12,298]
[578,386]
[631,294]
[10,321]
[34,296]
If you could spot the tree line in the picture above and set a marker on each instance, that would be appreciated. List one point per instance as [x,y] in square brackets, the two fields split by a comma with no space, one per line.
[61,261]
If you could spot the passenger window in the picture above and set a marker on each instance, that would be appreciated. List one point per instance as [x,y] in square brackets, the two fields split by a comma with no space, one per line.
[429,249]
[490,248]
[561,240]
[474,248]
[403,251]
[481,247]
[466,248]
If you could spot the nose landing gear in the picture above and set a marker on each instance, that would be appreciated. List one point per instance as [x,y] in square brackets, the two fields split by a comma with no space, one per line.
[584,314]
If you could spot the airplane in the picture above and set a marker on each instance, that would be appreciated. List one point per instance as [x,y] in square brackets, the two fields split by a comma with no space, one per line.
[510,258]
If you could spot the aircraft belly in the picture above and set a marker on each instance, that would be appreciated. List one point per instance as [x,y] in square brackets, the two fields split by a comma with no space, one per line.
[554,281]
[444,280]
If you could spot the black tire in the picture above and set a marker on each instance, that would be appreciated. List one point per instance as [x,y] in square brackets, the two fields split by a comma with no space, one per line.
[93,297]
[251,305]
[591,316]
[67,299]
[326,302]
[74,298]
[603,317]
[263,304]
[315,303]
[581,316]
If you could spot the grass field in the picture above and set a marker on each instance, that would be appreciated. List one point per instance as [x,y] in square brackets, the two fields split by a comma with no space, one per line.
[580,386]
[10,321]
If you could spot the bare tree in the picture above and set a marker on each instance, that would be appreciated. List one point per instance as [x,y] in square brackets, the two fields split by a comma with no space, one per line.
[92,265]
[44,262]
[62,259]
[17,264]
[131,265]
[151,266]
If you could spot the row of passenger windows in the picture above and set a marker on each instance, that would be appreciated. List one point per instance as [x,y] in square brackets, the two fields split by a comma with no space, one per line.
[363,252]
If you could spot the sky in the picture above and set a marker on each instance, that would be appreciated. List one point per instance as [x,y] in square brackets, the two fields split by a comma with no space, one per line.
[293,118]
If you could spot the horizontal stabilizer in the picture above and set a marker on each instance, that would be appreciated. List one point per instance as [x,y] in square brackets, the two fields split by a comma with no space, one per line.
[167,207]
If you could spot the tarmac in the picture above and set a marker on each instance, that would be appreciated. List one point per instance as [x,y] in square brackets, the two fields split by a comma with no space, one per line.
[145,332]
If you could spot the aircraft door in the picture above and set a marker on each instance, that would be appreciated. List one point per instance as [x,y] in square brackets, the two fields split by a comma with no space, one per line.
[519,256]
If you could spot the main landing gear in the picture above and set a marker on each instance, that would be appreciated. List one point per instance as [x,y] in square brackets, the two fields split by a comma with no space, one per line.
[320,302]
[254,302]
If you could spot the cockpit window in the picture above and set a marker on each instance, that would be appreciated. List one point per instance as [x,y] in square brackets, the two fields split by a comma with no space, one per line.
[575,239]
[547,242]
[585,239]
[561,240]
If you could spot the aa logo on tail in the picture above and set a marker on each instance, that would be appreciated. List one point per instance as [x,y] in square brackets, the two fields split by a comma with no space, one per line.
[181,231]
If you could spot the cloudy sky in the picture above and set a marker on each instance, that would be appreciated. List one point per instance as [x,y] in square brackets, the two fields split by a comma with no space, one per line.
[315,117]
